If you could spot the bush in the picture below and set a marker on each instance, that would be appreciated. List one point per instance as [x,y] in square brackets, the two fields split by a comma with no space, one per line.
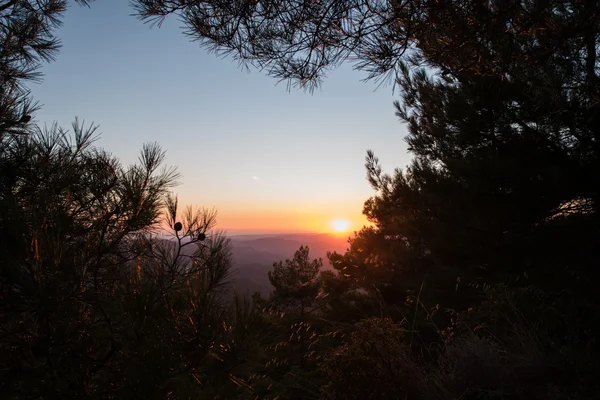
[494,351]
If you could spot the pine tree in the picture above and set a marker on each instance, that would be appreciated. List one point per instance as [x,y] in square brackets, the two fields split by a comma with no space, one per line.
[95,300]
[289,369]
[296,282]
[26,41]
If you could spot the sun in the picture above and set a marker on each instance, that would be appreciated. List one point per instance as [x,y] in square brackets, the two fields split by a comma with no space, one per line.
[340,225]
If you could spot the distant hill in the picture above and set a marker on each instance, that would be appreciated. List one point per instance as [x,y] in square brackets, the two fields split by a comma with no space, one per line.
[254,255]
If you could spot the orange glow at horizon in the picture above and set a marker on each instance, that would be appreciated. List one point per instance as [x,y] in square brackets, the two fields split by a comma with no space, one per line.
[279,215]
[288,221]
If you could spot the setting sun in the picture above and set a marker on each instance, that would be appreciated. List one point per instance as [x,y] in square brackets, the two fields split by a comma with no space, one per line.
[340,225]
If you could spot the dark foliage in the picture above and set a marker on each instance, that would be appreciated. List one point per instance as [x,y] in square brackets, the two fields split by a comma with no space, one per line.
[94,301]
[26,40]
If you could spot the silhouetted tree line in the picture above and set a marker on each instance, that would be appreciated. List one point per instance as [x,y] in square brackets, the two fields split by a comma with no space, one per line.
[476,280]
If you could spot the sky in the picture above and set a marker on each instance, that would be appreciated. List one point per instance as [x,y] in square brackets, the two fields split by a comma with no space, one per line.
[269,159]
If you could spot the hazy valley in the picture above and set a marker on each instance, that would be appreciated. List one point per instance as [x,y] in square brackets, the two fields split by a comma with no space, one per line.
[254,255]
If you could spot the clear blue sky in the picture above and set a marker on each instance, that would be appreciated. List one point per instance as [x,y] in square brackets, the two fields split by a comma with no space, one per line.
[268,159]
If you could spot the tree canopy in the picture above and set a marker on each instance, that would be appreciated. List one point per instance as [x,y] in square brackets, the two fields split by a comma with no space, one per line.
[300,41]
[108,289]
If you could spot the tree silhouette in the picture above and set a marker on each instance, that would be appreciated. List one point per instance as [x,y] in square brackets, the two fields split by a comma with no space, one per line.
[26,40]
[297,41]
[300,41]
[288,369]
[96,299]
[296,281]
